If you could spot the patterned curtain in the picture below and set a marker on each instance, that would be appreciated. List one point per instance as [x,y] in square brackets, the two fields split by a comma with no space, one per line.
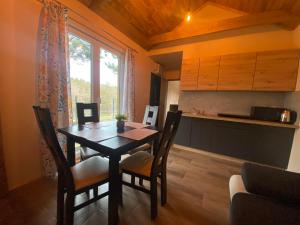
[128,97]
[53,89]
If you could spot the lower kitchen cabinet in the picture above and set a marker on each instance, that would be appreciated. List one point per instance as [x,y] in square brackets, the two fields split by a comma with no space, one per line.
[201,134]
[232,139]
[183,136]
[272,145]
[258,143]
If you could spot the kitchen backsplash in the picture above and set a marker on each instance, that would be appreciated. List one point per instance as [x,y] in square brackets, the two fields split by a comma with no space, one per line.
[228,102]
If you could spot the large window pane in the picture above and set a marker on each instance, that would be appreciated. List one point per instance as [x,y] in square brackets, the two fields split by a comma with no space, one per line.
[109,85]
[80,52]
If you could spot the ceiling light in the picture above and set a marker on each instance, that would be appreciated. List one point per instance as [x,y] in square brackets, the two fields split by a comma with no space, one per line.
[188,17]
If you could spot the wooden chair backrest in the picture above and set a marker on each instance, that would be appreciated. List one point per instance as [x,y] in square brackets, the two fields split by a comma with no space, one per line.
[44,120]
[82,118]
[166,141]
[150,115]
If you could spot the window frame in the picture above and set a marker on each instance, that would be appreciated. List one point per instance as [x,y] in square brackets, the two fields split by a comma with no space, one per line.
[98,43]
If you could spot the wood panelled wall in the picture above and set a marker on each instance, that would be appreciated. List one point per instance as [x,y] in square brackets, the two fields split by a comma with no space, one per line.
[262,71]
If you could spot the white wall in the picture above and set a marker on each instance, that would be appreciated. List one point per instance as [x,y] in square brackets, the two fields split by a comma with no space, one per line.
[19,21]
[293,101]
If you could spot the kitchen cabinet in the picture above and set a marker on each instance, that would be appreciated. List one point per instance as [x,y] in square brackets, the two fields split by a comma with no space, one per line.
[184,131]
[189,74]
[276,71]
[232,139]
[201,134]
[208,73]
[258,143]
[261,71]
[236,72]
[272,145]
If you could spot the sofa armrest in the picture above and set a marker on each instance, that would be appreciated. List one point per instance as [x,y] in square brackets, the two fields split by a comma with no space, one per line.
[271,182]
[250,209]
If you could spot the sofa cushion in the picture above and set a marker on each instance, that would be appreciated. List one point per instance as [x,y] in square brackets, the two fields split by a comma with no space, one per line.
[250,209]
[271,182]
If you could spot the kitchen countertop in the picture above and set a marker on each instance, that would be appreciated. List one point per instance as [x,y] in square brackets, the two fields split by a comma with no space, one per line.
[238,120]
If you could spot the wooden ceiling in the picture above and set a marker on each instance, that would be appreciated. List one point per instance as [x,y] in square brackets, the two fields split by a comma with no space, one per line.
[152,22]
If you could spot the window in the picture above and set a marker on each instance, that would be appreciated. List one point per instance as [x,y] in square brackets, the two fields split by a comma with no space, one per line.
[95,75]
[109,88]
[80,53]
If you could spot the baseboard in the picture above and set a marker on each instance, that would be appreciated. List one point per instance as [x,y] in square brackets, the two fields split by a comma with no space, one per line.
[210,154]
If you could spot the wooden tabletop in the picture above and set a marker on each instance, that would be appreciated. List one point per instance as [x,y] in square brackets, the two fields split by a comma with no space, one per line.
[104,136]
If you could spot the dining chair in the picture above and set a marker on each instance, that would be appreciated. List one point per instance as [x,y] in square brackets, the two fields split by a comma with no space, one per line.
[149,167]
[150,118]
[93,117]
[72,180]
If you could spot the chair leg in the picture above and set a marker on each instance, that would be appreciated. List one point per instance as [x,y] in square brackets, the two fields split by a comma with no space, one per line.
[95,192]
[60,200]
[70,209]
[163,187]
[153,190]
[141,181]
[132,179]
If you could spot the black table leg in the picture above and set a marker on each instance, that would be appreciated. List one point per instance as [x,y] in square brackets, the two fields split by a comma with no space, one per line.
[71,151]
[114,188]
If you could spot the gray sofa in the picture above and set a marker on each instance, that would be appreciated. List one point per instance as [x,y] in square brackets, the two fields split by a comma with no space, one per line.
[264,195]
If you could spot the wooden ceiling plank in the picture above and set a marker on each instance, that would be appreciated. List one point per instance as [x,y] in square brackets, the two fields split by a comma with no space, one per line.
[256,6]
[88,3]
[104,9]
[270,17]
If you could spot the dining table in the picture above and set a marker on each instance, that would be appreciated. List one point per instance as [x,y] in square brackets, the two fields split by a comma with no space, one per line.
[111,142]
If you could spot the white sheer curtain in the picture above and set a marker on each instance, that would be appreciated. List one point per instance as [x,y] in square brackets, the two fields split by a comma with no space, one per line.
[128,88]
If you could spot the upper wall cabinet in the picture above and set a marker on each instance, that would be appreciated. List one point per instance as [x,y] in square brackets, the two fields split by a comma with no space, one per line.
[189,74]
[236,72]
[208,73]
[262,71]
[276,71]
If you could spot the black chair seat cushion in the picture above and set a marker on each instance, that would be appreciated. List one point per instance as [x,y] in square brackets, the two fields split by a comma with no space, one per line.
[271,182]
[249,209]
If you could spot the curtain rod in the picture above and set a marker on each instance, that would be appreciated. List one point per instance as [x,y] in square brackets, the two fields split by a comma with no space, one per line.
[67,8]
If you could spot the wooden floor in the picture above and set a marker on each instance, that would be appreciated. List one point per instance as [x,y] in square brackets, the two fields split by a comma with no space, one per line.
[197,194]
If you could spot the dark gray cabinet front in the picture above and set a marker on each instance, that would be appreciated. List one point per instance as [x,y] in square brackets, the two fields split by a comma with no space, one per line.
[262,144]
[183,136]
[272,145]
[232,140]
[201,134]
